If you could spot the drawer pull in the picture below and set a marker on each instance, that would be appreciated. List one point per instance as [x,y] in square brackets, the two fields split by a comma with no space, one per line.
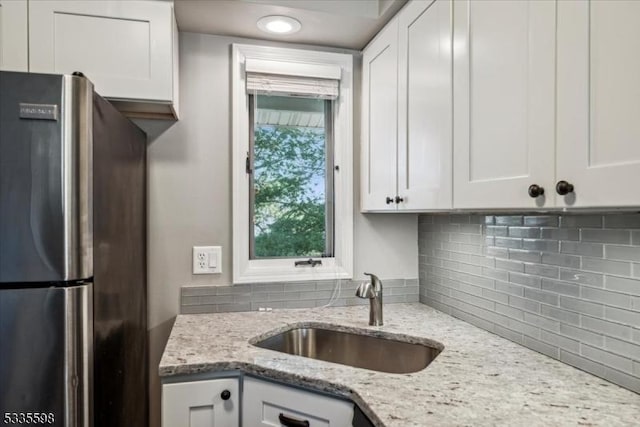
[292,422]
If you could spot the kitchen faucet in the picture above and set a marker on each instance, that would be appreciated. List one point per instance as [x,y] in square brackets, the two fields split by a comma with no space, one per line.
[373,291]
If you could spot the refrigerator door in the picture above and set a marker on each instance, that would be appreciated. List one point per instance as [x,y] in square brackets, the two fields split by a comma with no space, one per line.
[45,356]
[45,178]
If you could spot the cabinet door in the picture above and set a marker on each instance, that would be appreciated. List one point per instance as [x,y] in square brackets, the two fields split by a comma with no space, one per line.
[14,50]
[200,404]
[599,102]
[264,402]
[504,99]
[123,47]
[379,121]
[424,105]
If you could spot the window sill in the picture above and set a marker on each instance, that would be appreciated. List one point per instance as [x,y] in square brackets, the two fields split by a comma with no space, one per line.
[259,271]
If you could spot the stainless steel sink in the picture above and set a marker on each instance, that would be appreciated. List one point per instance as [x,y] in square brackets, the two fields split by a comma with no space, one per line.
[376,353]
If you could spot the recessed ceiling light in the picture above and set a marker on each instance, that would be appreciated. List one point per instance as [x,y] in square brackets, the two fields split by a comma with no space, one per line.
[276,24]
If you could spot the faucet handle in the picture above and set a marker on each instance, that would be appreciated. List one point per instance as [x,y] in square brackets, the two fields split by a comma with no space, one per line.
[365,290]
[375,281]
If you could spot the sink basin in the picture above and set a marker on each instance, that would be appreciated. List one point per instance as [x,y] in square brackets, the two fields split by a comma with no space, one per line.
[385,354]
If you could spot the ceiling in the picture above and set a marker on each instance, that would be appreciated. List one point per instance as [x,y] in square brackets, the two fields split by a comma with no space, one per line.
[349,24]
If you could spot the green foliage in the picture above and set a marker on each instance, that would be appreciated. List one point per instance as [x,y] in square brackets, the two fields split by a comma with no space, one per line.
[289,169]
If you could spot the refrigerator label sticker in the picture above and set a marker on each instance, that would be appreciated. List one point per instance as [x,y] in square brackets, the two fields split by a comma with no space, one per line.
[38,111]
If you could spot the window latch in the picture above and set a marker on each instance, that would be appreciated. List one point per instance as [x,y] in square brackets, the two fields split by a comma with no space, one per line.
[247,165]
[308,263]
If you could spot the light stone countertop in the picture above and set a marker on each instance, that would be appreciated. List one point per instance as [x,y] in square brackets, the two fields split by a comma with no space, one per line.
[479,379]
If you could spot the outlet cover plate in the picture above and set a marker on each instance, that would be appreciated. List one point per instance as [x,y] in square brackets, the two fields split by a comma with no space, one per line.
[207,259]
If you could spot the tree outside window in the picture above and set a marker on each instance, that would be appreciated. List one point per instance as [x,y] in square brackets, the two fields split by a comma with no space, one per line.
[291,178]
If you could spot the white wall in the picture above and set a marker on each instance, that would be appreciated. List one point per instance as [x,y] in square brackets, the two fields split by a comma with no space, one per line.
[189,194]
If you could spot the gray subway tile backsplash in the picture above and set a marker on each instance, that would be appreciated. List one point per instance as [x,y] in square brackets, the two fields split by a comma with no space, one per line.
[582,248]
[508,220]
[606,266]
[577,276]
[541,270]
[622,237]
[624,253]
[628,221]
[607,358]
[582,335]
[622,284]
[528,280]
[562,260]
[624,316]
[541,221]
[251,297]
[605,327]
[560,233]
[606,297]
[562,288]
[581,221]
[567,286]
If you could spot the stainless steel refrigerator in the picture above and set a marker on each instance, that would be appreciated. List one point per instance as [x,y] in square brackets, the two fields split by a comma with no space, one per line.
[73,335]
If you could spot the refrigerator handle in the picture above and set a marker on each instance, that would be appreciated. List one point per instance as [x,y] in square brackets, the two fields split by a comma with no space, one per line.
[79,356]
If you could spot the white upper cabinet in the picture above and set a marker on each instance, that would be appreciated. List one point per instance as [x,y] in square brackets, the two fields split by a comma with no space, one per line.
[599,102]
[424,106]
[504,103]
[210,403]
[541,99]
[128,49]
[406,125]
[379,121]
[14,35]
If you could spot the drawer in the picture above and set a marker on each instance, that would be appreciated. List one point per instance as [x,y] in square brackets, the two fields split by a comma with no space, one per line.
[264,402]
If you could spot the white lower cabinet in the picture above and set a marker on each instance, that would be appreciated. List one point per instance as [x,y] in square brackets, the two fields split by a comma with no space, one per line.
[273,405]
[217,403]
[208,403]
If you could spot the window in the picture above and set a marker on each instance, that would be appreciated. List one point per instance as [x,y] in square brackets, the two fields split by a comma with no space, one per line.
[292,165]
[291,169]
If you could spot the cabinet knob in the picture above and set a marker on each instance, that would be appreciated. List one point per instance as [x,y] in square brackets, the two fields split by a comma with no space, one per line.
[399,199]
[535,190]
[225,395]
[389,200]
[563,188]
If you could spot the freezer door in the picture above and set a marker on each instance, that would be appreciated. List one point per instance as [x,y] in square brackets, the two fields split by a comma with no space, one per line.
[46,356]
[45,178]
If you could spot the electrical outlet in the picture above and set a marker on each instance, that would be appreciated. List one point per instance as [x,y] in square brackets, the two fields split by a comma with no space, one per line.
[207,259]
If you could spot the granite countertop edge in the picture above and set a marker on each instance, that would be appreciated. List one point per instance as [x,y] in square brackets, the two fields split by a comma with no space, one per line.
[550,392]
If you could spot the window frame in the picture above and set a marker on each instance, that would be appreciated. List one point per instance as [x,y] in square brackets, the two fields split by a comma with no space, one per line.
[246,270]
[328,171]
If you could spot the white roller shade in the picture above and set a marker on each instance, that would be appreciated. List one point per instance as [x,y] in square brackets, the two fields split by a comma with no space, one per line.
[274,84]
[292,78]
